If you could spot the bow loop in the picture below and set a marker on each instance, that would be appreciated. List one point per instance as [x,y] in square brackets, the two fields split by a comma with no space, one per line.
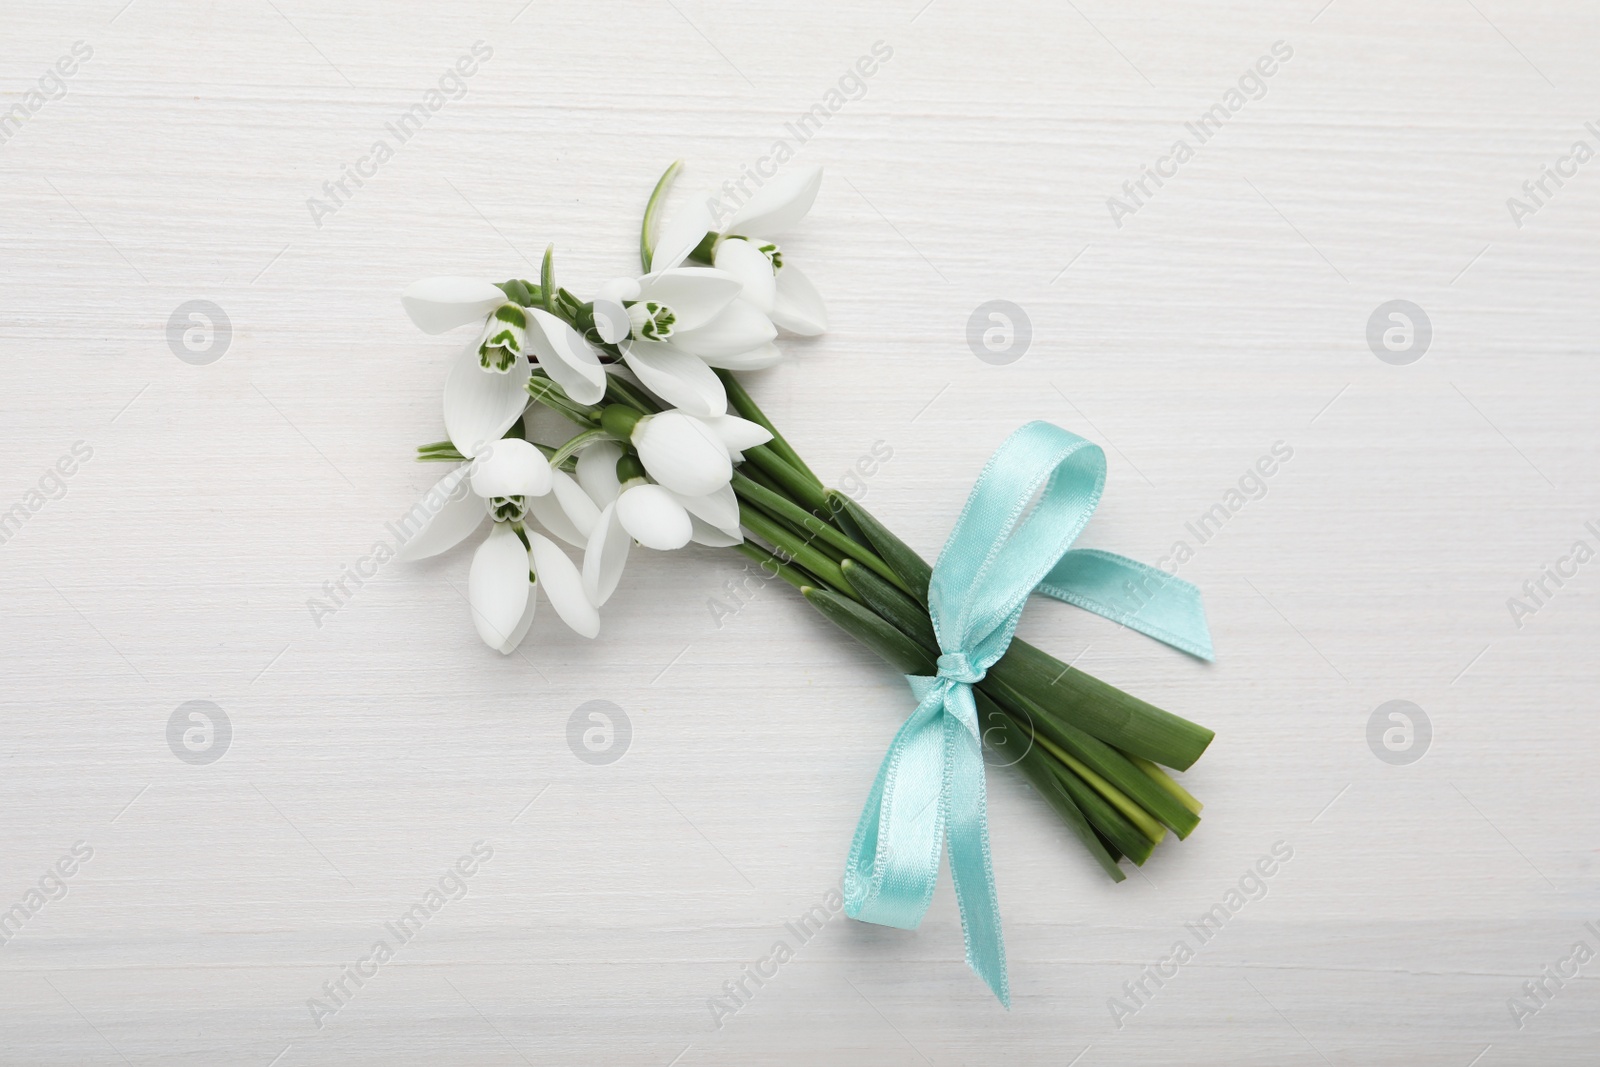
[1011,540]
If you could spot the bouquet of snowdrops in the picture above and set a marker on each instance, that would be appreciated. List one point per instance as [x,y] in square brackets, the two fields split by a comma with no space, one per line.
[668,448]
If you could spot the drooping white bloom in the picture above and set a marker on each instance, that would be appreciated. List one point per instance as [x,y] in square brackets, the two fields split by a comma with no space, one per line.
[652,516]
[743,247]
[505,482]
[512,468]
[682,453]
[672,326]
[636,509]
[511,339]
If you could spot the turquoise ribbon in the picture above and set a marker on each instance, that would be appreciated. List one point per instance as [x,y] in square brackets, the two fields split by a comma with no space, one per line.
[930,786]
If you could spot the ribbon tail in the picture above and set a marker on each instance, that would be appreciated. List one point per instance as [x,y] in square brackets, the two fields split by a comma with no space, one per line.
[1138,596]
[967,827]
[894,860]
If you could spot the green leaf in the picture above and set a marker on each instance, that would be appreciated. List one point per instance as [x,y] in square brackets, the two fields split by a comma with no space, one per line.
[871,630]
[1165,781]
[1104,711]
[647,226]
[905,614]
[1037,766]
[1102,760]
[547,280]
[914,572]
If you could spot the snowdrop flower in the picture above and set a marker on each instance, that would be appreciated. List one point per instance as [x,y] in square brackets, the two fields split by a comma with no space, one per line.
[486,390]
[505,481]
[674,325]
[635,509]
[743,247]
[688,454]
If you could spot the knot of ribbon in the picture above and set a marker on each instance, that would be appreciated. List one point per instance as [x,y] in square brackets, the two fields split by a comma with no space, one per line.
[958,668]
[930,787]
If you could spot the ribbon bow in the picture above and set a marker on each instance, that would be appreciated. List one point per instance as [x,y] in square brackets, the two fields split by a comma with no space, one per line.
[931,784]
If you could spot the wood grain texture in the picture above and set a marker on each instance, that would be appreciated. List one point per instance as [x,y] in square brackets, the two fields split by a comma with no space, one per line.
[1228,313]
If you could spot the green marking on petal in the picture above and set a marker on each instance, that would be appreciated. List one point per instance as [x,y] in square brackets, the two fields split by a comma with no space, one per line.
[504,338]
[508,508]
[496,358]
[773,254]
[651,321]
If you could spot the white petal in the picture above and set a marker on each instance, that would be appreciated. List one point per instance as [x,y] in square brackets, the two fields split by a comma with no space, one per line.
[567,511]
[597,471]
[682,453]
[559,578]
[738,434]
[442,519]
[739,327]
[566,357]
[683,232]
[547,509]
[604,557]
[618,289]
[758,358]
[480,406]
[681,379]
[707,534]
[695,294]
[653,517]
[511,467]
[741,259]
[779,204]
[798,307]
[498,587]
[720,508]
[578,505]
[440,304]
[610,317]
[523,625]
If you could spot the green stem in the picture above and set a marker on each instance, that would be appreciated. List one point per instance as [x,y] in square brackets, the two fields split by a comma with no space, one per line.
[577,442]
[805,492]
[798,550]
[1166,782]
[1134,813]
[1035,764]
[782,508]
[621,392]
[749,409]
[552,396]
[778,567]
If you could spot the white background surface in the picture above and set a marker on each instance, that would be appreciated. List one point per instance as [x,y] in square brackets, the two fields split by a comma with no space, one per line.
[1227,314]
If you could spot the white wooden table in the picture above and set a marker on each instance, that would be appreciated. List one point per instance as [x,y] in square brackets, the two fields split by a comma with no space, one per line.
[209,902]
